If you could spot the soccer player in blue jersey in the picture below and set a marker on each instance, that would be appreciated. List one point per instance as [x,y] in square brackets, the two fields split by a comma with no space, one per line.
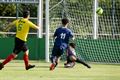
[61,37]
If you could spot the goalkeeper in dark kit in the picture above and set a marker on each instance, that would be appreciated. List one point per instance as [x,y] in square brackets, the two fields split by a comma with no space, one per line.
[72,58]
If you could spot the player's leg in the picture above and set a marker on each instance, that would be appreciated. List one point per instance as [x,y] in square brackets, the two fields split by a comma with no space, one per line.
[8,59]
[70,61]
[82,62]
[16,50]
[26,57]
[53,55]
[53,58]
[67,60]
[56,53]
[53,63]
[75,59]
[57,60]
[69,65]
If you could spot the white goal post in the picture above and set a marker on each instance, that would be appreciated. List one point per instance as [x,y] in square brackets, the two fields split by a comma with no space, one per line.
[47,37]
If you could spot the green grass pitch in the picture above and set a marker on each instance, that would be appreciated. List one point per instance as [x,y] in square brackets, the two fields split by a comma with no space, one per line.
[15,71]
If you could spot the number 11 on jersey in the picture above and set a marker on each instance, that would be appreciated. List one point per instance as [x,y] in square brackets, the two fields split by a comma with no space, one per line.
[62,35]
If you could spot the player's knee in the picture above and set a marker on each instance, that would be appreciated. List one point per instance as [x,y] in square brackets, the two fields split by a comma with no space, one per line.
[15,55]
[58,59]
[26,52]
[72,58]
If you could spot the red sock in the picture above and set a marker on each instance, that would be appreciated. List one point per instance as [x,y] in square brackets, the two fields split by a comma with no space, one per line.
[26,60]
[8,59]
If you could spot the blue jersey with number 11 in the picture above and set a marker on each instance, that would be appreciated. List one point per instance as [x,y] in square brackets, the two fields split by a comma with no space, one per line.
[62,36]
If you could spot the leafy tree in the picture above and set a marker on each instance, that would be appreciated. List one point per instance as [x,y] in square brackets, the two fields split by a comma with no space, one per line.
[7,9]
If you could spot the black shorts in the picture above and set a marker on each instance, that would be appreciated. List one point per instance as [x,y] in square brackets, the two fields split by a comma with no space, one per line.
[20,45]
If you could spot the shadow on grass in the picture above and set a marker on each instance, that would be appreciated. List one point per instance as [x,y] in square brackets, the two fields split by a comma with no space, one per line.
[48,66]
[37,66]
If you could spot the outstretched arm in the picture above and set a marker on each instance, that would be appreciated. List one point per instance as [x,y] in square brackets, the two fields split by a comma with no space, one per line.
[36,27]
[32,25]
[9,26]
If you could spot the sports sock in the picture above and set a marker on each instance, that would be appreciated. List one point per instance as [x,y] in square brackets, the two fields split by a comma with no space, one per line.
[82,62]
[8,59]
[68,59]
[26,59]
[51,59]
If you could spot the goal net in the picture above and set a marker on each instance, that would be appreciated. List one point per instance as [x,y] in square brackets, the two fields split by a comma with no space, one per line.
[106,48]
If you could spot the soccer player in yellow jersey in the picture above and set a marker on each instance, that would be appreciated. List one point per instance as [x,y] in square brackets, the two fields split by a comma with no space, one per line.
[22,29]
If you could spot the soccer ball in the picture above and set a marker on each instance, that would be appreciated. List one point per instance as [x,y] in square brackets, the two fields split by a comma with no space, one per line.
[99,11]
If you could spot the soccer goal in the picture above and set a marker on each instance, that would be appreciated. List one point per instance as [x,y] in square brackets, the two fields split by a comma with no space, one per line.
[97,37]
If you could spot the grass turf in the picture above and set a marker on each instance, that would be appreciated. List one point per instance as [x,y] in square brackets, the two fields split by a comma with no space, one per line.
[16,71]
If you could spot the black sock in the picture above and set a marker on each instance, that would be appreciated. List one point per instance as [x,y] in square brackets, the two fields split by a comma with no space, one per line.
[53,59]
[82,62]
[68,60]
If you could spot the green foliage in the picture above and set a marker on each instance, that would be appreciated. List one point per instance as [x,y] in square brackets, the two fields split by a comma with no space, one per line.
[31,7]
[10,10]
[7,9]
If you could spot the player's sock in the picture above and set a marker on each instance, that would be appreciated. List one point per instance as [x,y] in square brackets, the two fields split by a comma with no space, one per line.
[68,61]
[8,59]
[26,60]
[54,63]
[82,62]
[51,59]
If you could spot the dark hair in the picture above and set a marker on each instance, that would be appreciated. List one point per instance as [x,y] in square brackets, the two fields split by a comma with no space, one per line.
[65,21]
[26,13]
[72,45]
